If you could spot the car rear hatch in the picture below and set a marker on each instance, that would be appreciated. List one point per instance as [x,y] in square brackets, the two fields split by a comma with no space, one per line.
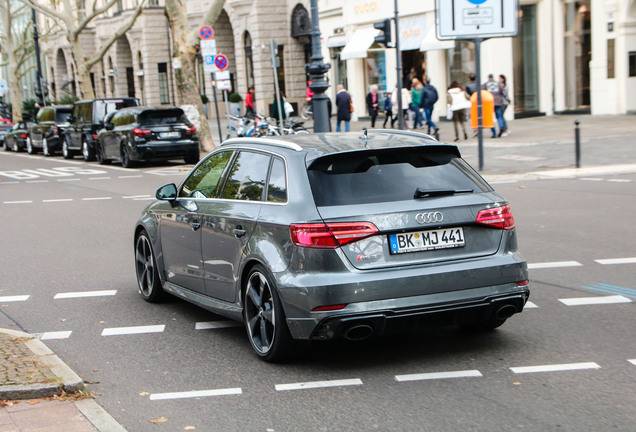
[165,125]
[425,203]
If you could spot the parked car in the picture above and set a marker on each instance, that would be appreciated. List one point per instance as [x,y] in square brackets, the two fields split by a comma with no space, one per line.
[316,237]
[45,133]
[15,138]
[87,119]
[140,133]
[4,128]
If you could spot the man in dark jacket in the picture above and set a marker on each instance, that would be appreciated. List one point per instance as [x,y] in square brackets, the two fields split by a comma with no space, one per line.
[429,97]
[343,106]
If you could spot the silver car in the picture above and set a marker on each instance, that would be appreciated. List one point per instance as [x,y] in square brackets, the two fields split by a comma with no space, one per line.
[316,237]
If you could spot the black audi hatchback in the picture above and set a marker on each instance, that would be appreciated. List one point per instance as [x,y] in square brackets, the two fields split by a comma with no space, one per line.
[141,133]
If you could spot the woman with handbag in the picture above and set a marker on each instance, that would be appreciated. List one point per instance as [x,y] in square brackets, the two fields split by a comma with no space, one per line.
[457,103]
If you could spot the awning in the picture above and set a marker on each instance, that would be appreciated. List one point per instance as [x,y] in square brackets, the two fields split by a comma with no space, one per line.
[336,41]
[431,43]
[359,43]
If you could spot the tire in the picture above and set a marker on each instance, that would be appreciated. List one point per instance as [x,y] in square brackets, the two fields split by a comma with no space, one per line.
[99,154]
[192,159]
[305,111]
[67,153]
[5,146]
[45,147]
[29,146]
[264,318]
[148,281]
[87,153]
[16,148]
[125,158]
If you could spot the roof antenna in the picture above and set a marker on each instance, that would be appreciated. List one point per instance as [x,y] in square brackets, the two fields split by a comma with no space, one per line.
[365,136]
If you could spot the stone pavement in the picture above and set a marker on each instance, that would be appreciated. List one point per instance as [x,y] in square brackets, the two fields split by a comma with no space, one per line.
[38,392]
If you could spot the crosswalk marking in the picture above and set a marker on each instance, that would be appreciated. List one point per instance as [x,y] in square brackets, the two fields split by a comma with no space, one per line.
[631,260]
[15,298]
[118,331]
[56,335]
[554,264]
[80,294]
[555,367]
[438,375]
[581,301]
[318,384]
[196,394]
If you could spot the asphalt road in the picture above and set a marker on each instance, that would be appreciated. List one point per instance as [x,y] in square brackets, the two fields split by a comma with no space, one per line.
[66,228]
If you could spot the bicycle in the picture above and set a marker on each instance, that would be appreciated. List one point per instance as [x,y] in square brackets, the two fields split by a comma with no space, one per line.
[307,111]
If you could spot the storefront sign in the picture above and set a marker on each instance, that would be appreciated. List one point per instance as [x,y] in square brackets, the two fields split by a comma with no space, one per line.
[412,32]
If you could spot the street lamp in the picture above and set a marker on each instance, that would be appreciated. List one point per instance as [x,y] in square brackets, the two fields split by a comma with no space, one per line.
[317,69]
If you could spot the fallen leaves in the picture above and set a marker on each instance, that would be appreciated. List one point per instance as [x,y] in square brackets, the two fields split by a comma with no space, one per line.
[144,394]
[189,428]
[159,420]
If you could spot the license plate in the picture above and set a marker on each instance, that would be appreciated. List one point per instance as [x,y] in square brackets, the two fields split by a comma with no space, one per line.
[426,240]
[169,134]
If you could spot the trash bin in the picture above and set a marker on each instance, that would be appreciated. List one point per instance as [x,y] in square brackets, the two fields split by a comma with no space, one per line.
[487,110]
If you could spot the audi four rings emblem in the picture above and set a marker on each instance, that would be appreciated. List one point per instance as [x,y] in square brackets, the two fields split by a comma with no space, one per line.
[426,218]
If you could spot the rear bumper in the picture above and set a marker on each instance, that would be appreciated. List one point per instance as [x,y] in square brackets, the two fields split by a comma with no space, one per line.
[164,150]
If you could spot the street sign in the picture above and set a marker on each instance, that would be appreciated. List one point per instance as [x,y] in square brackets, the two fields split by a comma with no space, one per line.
[4,89]
[222,75]
[470,19]
[208,47]
[206,32]
[224,85]
[208,64]
[221,62]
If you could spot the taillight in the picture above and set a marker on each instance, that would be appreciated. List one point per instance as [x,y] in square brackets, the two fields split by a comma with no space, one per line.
[498,217]
[24,136]
[523,283]
[329,308]
[331,235]
[94,137]
[191,130]
[142,132]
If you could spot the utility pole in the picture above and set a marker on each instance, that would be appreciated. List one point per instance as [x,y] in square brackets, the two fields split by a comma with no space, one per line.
[317,69]
[39,90]
[398,56]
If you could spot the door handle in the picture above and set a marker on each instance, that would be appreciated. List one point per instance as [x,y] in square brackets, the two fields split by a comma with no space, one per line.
[239,231]
[195,225]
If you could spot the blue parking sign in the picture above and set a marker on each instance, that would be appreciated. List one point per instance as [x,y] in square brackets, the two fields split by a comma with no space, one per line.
[209,60]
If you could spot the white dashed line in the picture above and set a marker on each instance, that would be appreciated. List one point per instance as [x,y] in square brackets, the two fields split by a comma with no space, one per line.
[438,375]
[555,368]
[530,305]
[56,335]
[619,180]
[82,294]
[503,181]
[129,176]
[213,325]
[37,181]
[596,179]
[555,264]
[57,200]
[318,384]
[631,260]
[581,301]
[118,331]
[16,298]
[10,182]
[96,198]
[136,196]
[196,394]
[144,199]
[67,180]
[633,361]
[17,202]
[99,178]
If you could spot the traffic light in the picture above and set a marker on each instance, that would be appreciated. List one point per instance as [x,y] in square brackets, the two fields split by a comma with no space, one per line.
[385,27]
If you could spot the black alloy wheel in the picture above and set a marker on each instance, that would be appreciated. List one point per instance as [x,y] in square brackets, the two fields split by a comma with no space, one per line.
[99,154]
[265,319]
[87,152]
[125,157]
[66,151]
[45,147]
[147,273]
[29,146]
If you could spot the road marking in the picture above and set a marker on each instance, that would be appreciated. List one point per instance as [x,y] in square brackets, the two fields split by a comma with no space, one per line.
[17,202]
[196,394]
[55,335]
[555,264]
[520,158]
[81,294]
[555,367]
[596,179]
[144,199]
[530,305]
[99,178]
[118,331]
[619,180]
[67,180]
[96,198]
[613,289]
[136,196]
[36,181]
[130,176]
[16,298]
[632,361]
[438,375]
[318,384]
[581,301]
[10,182]
[631,260]
[503,181]
[57,200]
[212,325]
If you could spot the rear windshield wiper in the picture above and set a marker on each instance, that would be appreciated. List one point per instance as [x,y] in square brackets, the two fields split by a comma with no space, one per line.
[423,193]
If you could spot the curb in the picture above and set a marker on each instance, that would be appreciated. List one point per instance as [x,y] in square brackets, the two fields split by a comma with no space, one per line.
[103,421]
[71,382]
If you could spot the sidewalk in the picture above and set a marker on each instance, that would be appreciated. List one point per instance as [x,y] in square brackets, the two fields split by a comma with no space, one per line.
[38,391]
[537,147]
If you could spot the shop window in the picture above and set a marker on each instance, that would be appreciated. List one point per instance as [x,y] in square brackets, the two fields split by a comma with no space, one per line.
[610,58]
[632,63]
[376,70]
[164,93]
[461,61]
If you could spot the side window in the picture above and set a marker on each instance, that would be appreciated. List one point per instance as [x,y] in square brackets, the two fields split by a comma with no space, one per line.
[246,180]
[40,115]
[205,180]
[277,185]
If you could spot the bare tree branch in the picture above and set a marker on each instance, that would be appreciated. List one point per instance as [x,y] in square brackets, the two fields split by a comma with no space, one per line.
[53,14]
[83,23]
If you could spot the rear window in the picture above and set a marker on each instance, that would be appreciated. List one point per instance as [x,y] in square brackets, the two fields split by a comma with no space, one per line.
[163,117]
[389,175]
[62,116]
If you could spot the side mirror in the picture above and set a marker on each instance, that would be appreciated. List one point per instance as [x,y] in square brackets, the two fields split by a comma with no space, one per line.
[109,126]
[167,192]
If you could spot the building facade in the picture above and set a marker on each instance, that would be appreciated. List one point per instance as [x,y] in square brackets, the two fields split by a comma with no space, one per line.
[569,56]
[140,63]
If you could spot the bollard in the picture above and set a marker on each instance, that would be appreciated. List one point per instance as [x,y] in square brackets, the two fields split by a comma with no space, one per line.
[577,143]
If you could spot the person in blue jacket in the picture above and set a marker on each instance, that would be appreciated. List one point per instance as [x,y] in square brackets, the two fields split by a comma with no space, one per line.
[429,97]
[388,110]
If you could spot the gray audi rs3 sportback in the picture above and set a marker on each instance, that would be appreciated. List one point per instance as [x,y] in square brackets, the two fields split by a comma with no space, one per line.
[334,235]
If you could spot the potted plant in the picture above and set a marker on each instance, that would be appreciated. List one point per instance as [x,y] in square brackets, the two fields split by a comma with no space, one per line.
[235,104]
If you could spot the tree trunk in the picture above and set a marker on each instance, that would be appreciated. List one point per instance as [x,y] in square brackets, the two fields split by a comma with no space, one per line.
[14,75]
[83,73]
[185,48]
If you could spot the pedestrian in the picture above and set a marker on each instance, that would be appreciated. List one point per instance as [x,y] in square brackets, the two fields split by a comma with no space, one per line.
[276,109]
[429,97]
[458,103]
[496,89]
[406,101]
[344,108]
[373,102]
[416,99]
[472,86]
[505,102]
[249,103]
[388,110]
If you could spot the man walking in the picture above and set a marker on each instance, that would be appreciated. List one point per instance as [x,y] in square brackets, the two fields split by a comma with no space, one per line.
[429,97]
[343,107]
